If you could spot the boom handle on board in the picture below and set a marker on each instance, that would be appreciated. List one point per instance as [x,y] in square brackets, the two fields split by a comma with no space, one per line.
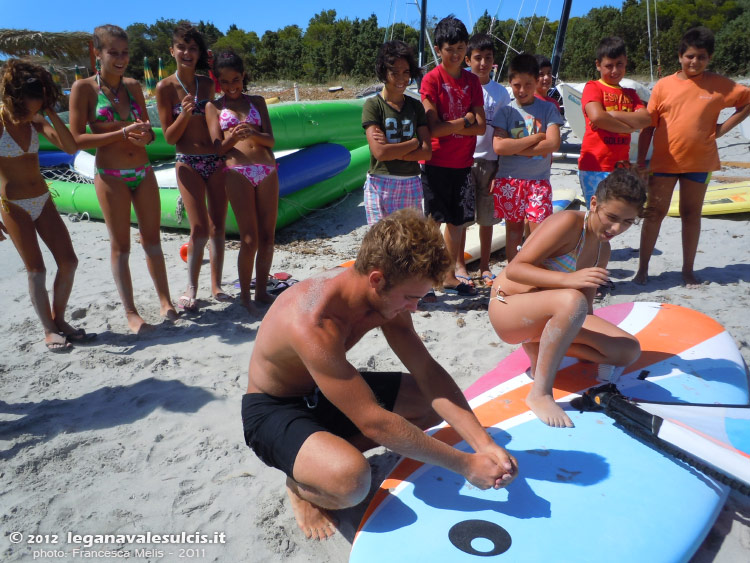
[607,398]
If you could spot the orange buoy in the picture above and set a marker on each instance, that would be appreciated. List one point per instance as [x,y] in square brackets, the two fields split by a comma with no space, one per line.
[184,252]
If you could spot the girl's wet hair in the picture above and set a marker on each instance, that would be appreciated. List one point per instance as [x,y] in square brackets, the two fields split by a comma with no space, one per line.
[389,53]
[624,185]
[231,60]
[22,80]
[187,32]
[107,31]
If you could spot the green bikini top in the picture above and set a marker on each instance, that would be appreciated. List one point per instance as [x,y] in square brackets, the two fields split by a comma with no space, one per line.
[105,110]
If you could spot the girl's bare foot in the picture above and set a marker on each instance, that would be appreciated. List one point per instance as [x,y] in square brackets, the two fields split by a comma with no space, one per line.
[249,305]
[315,522]
[548,411]
[168,312]
[137,325]
[57,342]
[265,297]
[640,278]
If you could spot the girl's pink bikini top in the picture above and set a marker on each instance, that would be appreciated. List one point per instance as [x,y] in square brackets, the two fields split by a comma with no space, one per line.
[228,118]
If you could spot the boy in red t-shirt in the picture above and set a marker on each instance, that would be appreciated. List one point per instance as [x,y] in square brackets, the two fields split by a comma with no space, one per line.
[546,81]
[454,105]
[612,113]
[685,109]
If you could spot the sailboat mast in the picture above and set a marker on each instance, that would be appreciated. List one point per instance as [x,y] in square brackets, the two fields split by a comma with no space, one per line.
[560,38]
[422,32]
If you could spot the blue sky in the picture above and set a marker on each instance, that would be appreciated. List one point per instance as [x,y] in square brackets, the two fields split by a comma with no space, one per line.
[259,16]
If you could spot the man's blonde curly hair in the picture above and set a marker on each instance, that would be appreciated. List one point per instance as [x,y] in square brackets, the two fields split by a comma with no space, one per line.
[404,245]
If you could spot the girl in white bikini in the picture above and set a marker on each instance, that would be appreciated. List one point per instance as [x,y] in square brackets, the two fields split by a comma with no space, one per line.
[241,130]
[182,99]
[26,209]
[544,298]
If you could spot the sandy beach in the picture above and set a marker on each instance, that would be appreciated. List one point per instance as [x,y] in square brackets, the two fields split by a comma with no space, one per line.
[133,435]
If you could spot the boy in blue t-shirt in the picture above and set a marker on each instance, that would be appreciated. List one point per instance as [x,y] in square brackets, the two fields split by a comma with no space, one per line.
[527,132]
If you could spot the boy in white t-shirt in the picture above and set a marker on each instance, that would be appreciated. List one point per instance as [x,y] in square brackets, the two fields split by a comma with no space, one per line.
[480,56]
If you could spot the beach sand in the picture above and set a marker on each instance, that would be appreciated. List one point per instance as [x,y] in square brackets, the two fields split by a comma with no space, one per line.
[133,435]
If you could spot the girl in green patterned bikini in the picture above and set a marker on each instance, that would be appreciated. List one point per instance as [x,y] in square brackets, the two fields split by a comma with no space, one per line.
[114,107]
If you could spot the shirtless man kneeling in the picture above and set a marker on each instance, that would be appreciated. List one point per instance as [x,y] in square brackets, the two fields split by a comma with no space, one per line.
[310,413]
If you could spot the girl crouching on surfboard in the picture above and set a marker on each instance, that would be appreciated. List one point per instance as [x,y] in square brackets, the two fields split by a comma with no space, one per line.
[544,297]
[241,130]
[114,108]
[29,94]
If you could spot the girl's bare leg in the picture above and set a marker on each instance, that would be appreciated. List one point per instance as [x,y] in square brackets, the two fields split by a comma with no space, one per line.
[242,197]
[22,232]
[148,211]
[54,233]
[267,205]
[217,219]
[558,320]
[193,193]
[115,200]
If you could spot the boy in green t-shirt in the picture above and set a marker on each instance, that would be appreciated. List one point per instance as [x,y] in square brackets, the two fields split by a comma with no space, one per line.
[397,132]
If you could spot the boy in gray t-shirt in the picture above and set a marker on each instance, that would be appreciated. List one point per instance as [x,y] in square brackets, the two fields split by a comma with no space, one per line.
[527,132]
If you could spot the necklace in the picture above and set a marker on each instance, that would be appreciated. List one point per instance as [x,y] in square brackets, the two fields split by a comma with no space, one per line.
[186,90]
[115,93]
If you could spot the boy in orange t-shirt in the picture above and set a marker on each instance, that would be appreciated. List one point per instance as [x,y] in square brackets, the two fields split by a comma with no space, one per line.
[612,113]
[684,109]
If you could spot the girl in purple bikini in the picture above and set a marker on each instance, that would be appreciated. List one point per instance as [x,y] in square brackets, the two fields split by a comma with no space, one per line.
[182,99]
[241,131]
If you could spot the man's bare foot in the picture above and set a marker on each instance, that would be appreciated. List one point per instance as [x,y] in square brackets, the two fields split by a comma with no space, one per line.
[690,281]
[315,522]
[640,278]
[548,411]
[220,296]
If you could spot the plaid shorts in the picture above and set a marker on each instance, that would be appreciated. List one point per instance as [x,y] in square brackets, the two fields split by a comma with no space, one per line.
[517,199]
[386,194]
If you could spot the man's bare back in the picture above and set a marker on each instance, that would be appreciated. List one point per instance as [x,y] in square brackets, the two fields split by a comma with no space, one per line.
[309,412]
[276,367]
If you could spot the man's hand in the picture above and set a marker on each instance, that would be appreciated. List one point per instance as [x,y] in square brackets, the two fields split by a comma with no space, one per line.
[491,468]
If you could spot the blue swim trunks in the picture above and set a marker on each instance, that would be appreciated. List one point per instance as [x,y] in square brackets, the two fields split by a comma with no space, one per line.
[590,180]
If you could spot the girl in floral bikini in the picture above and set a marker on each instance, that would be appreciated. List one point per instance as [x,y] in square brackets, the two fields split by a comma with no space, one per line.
[241,130]
[182,99]
[114,108]
[26,209]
